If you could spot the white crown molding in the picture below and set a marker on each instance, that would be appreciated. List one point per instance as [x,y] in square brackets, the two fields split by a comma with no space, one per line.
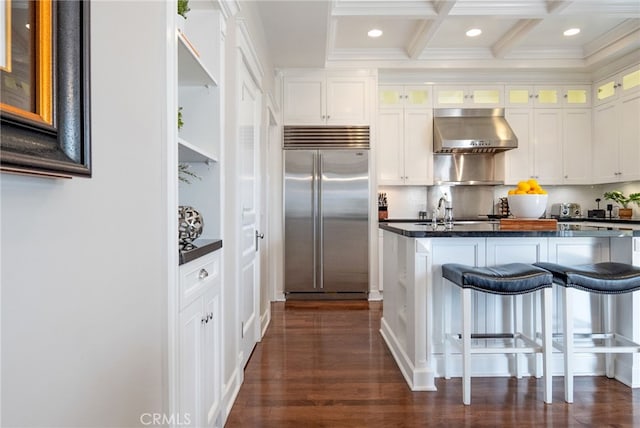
[615,50]
[465,64]
[547,53]
[507,77]
[397,8]
[525,9]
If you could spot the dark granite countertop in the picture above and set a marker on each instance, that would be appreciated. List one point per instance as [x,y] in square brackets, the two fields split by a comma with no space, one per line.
[492,229]
[198,248]
[635,220]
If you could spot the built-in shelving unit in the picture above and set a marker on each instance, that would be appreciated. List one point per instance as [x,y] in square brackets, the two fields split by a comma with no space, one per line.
[198,50]
[199,101]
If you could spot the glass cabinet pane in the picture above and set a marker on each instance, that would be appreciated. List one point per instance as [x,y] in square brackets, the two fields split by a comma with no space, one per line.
[631,80]
[547,96]
[576,96]
[389,97]
[418,97]
[607,90]
[486,96]
[518,96]
[451,96]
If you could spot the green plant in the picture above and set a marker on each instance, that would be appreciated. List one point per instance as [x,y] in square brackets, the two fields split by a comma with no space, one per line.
[183,8]
[180,121]
[618,197]
[185,175]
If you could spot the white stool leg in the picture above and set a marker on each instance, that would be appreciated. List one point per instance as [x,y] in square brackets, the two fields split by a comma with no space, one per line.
[547,346]
[609,328]
[517,314]
[466,346]
[447,291]
[568,343]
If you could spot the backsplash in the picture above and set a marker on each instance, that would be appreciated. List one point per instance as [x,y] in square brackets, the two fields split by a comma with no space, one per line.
[407,201]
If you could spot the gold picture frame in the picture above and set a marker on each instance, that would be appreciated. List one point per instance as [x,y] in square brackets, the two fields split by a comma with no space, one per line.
[43,59]
[52,137]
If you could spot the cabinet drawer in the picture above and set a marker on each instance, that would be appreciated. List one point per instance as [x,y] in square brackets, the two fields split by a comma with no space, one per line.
[197,275]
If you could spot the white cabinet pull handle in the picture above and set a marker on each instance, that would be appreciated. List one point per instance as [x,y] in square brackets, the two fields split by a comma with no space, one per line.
[203,274]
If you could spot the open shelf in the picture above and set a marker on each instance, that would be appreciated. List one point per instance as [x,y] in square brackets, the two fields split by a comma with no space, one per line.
[191,69]
[188,152]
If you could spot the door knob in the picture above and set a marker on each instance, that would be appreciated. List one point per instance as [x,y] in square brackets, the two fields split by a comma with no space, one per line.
[258,236]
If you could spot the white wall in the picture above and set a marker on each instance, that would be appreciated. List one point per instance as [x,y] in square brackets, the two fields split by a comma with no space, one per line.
[83,306]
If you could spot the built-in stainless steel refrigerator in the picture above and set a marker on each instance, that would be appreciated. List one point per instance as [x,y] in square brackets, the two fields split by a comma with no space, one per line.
[326,185]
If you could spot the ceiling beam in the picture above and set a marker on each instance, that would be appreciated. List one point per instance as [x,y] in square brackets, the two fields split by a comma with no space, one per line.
[512,37]
[557,6]
[428,28]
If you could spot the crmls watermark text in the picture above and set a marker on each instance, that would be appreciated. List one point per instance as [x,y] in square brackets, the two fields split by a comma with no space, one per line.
[177,419]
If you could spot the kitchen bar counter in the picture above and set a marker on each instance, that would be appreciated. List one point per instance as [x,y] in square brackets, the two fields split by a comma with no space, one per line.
[414,292]
[492,229]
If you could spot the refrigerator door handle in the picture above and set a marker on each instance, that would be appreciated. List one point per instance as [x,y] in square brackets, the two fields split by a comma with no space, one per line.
[320,225]
[314,209]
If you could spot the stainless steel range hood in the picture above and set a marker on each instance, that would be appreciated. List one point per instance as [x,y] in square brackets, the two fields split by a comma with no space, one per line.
[472,131]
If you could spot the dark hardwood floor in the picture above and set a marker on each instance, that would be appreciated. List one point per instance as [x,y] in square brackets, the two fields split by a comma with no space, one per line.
[324,364]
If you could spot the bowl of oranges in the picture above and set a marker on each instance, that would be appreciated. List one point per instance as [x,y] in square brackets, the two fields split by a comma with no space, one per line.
[527,200]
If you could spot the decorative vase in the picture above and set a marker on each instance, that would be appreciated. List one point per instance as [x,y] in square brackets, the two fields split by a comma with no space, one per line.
[190,224]
[625,212]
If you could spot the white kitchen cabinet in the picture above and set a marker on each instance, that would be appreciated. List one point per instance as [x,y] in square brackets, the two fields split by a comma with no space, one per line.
[622,84]
[616,140]
[392,96]
[320,99]
[405,148]
[200,341]
[576,146]
[548,96]
[468,96]
[539,152]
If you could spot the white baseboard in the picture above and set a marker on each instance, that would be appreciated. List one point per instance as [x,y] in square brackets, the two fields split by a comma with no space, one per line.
[417,379]
[265,320]
[230,392]
[375,296]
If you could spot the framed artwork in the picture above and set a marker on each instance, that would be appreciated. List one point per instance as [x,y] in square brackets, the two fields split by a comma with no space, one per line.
[45,92]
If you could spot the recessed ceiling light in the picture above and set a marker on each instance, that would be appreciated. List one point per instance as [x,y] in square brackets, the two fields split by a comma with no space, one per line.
[474,32]
[374,33]
[571,32]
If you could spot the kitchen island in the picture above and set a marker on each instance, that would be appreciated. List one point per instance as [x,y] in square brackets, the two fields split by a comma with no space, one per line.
[414,294]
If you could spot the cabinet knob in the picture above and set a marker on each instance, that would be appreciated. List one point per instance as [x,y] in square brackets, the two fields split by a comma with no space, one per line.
[566,96]
[203,274]
[537,95]
[204,319]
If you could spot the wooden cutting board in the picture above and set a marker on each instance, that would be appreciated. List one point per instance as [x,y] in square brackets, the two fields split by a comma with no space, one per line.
[528,224]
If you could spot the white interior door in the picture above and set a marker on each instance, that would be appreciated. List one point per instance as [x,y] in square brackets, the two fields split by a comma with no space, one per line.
[249,189]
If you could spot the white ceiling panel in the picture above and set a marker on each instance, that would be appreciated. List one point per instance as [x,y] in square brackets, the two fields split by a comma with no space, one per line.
[516,33]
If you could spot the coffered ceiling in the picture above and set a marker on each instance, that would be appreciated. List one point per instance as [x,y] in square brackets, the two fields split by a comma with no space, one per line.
[430,34]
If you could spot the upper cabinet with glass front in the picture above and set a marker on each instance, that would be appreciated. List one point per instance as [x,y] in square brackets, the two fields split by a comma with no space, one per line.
[618,85]
[550,96]
[392,96]
[470,96]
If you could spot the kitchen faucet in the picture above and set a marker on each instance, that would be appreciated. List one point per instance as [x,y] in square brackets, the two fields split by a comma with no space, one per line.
[447,218]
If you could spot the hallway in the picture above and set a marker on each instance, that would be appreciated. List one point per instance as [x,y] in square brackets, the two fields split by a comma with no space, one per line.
[325,364]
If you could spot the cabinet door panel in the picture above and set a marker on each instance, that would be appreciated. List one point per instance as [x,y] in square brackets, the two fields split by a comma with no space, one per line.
[605,144]
[418,146]
[519,161]
[390,154]
[548,146]
[304,101]
[576,147]
[190,397]
[347,101]
[630,138]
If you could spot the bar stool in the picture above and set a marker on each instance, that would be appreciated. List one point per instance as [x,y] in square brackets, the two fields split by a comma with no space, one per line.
[509,279]
[601,278]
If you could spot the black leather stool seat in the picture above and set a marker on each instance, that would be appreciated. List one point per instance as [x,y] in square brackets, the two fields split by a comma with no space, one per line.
[513,278]
[602,278]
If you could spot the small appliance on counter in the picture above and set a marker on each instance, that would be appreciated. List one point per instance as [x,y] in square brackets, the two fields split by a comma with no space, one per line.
[565,210]
[383,212]
[597,213]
